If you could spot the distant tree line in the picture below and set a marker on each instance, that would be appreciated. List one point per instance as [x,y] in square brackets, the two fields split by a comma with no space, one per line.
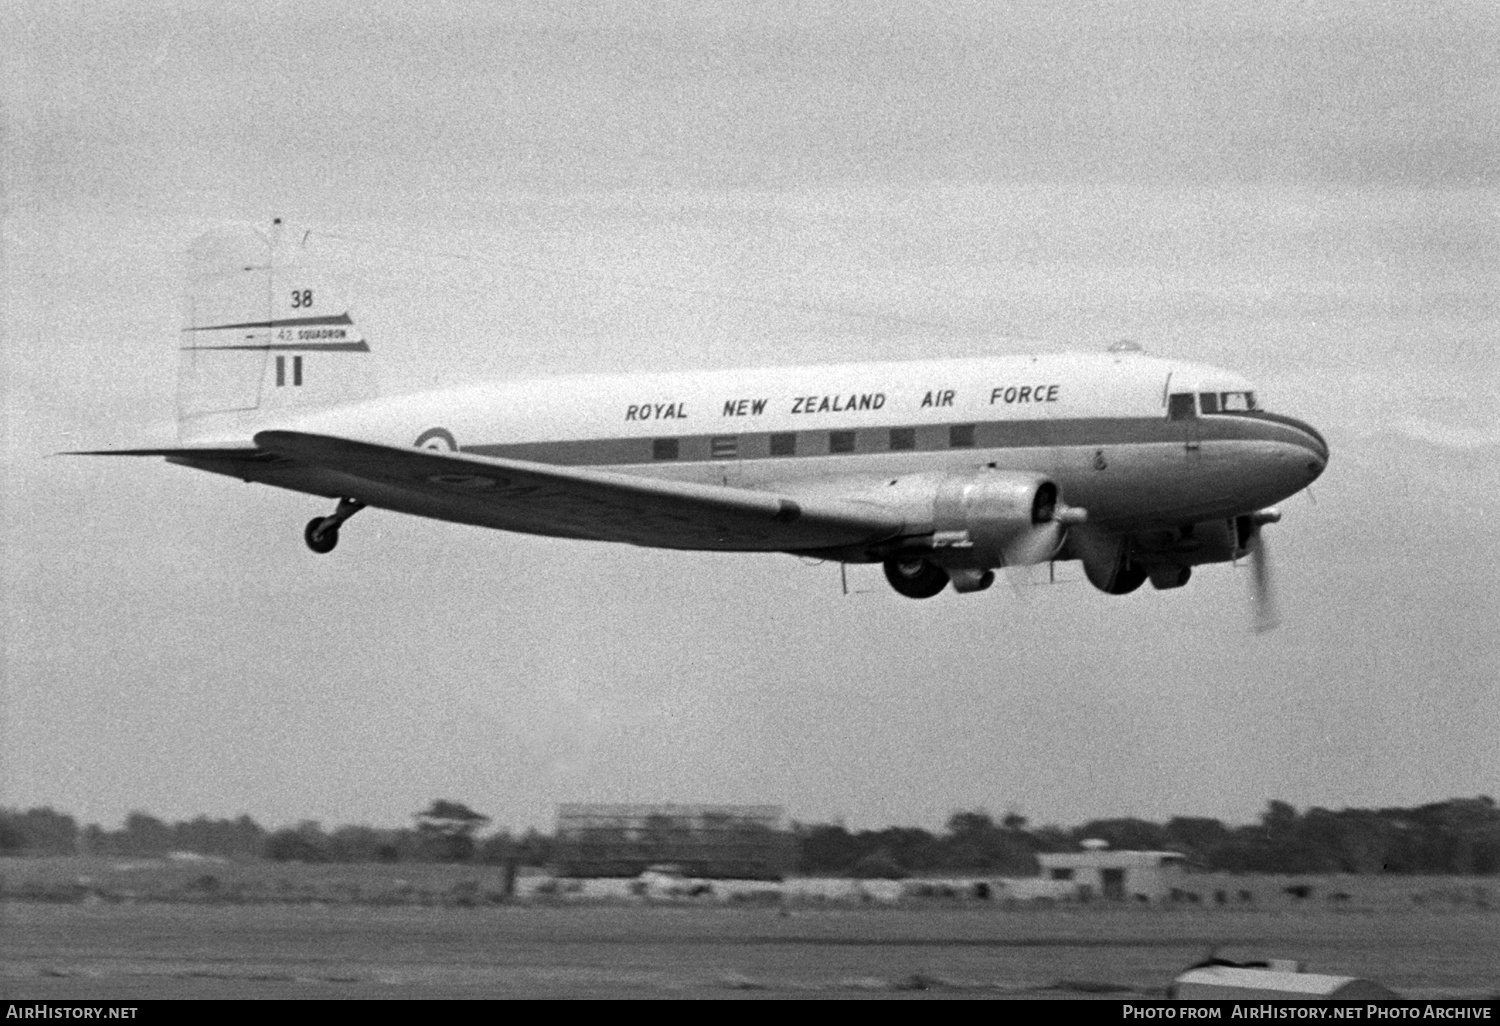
[444,832]
[1460,836]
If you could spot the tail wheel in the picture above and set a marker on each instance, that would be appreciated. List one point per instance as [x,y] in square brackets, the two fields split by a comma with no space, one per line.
[319,538]
[915,578]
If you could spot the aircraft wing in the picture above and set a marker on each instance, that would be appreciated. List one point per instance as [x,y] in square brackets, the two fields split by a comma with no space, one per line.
[580,502]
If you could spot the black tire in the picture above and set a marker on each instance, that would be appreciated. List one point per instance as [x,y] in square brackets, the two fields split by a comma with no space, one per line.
[1130,577]
[319,538]
[915,578]
[1108,566]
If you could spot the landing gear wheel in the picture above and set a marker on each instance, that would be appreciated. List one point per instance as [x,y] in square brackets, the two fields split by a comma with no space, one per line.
[319,538]
[1130,577]
[915,577]
[322,533]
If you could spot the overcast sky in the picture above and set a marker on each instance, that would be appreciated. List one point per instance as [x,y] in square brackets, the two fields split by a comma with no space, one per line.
[1305,193]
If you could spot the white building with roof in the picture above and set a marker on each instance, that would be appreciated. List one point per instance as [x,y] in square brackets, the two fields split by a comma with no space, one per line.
[1116,875]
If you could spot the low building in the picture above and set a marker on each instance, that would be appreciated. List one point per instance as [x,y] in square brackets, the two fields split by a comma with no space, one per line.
[705,841]
[1116,875]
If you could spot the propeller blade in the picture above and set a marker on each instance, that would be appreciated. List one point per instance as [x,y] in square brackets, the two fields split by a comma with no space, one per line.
[1036,545]
[1266,616]
[1042,542]
[1018,577]
[1039,545]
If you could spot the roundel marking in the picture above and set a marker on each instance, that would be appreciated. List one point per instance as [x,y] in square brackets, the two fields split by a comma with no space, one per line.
[437,439]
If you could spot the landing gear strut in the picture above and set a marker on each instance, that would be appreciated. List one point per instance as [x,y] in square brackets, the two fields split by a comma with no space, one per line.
[322,533]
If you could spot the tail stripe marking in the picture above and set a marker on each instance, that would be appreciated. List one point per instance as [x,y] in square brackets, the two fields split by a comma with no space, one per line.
[285,322]
[292,347]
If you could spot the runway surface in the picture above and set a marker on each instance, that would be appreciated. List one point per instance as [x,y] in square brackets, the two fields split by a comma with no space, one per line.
[148,950]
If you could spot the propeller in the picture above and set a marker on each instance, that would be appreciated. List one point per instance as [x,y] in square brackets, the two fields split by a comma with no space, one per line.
[1265,615]
[1039,544]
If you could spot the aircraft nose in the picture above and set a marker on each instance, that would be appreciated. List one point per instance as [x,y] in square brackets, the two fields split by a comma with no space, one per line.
[1306,443]
[1317,447]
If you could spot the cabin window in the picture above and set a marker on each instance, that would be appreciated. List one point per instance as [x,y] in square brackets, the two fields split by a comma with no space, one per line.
[664,449]
[903,439]
[841,441]
[724,447]
[1062,874]
[1208,402]
[784,444]
[961,436]
[1182,406]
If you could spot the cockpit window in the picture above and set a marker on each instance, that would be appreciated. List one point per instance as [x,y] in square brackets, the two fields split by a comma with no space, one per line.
[1180,406]
[1226,402]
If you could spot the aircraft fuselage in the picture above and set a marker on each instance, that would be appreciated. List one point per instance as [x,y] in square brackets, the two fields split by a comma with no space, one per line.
[1104,427]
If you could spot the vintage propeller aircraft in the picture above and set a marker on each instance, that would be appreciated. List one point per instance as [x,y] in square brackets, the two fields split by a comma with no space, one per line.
[942,470]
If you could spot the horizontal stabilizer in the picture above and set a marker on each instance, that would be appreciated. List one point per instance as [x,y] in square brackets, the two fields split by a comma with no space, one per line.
[202,452]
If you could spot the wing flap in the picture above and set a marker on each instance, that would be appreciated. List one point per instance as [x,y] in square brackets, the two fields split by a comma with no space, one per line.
[541,498]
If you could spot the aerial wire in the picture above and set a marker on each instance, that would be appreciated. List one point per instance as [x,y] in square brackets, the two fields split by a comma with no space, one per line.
[714,294]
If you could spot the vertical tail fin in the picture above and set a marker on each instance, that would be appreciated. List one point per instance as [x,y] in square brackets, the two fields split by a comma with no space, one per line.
[265,332]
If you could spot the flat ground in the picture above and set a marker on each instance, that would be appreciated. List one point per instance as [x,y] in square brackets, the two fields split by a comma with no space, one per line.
[161,950]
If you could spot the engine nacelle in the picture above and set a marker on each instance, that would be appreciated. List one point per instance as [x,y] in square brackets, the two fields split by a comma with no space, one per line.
[994,518]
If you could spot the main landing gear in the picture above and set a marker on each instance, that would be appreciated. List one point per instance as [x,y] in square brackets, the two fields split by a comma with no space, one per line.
[322,533]
[915,577]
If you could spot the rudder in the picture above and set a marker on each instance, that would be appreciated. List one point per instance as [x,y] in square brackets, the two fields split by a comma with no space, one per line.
[265,332]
